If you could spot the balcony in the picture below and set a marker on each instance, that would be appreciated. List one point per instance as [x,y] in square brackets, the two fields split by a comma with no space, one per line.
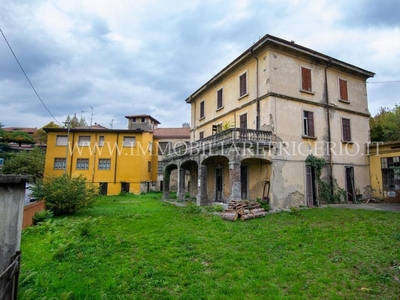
[248,138]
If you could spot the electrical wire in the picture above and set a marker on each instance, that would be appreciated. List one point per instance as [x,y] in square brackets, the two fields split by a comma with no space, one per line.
[23,71]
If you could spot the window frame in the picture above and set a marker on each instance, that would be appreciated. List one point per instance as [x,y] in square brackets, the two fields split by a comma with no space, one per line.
[202,109]
[243,116]
[220,98]
[343,92]
[245,87]
[80,162]
[346,130]
[201,135]
[60,160]
[308,124]
[125,142]
[303,83]
[60,142]
[83,143]
[101,141]
[104,164]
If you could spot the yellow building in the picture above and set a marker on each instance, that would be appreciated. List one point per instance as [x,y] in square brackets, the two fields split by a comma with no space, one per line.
[384,182]
[114,159]
[255,122]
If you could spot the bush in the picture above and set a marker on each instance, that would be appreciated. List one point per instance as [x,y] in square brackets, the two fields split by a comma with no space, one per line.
[192,208]
[65,195]
[42,216]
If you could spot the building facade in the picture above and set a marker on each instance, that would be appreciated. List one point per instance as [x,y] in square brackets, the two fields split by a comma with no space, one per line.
[116,160]
[384,158]
[254,124]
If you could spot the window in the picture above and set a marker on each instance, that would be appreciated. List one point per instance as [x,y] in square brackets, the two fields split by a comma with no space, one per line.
[149,166]
[343,90]
[84,141]
[104,164]
[308,123]
[129,141]
[61,140]
[306,79]
[82,164]
[201,135]
[202,115]
[243,85]
[142,120]
[243,121]
[59,163]
[391,181]
[101,141]
[164,147]
[219,98]
[346,130]
[125,188]
[161,166]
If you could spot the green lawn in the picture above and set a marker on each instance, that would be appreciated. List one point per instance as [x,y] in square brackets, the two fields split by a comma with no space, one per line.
[138,247]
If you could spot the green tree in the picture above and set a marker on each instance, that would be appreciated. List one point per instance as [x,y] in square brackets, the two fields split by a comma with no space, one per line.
[40,136]
[65,195]
[26,163]
[75,122]
[385,125]
[19,137]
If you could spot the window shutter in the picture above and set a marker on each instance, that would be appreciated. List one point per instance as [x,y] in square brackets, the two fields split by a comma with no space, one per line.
[243,121]
[346,130]
[201,109]
[305,79]
[243,84]
[219,98]
[311,124]
[343,90]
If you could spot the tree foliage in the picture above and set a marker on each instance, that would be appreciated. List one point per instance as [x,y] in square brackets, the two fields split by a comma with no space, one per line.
[18,136]
[40,136]
[385,125]
[26,163]
[65,195]
[75,122]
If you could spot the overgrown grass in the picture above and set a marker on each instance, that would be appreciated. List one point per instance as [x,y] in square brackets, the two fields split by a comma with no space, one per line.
[138,247]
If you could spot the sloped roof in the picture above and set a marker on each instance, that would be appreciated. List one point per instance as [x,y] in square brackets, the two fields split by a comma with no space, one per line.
[142,116]
[267,40]
[172,133]
[95,126]
[24,129]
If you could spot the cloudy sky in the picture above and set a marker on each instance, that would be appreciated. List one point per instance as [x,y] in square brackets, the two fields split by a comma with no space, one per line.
[125,57]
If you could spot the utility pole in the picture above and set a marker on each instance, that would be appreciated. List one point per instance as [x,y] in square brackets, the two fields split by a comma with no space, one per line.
[68,124]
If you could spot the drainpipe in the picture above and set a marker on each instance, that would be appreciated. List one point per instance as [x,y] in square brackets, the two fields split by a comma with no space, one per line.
[257,93]
[329,125]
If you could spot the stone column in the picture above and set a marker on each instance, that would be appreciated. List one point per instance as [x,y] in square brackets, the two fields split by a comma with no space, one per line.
[180,193]
[202,186]
[193,181]
[167,174]
[234,180]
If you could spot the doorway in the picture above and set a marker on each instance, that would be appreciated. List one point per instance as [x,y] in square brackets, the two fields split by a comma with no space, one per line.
[311,191]
[218,184]
[350,187]
[103,188]
[243,181]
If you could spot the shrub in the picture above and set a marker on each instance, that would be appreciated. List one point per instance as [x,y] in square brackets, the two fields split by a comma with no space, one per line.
[65,195]
[42,216]
[192,208]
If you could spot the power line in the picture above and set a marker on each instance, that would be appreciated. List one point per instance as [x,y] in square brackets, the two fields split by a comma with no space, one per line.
[383,81]
[23,71]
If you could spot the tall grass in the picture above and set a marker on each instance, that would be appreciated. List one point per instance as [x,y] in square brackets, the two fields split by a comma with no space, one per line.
[138,247]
